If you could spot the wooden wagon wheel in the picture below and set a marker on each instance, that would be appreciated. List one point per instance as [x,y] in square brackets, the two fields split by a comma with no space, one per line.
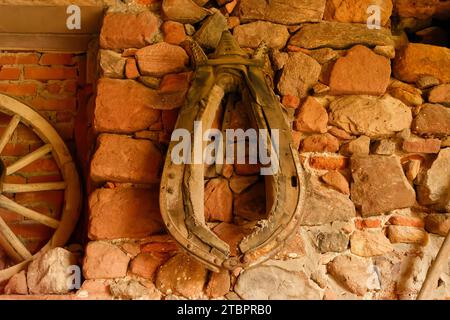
[53,144]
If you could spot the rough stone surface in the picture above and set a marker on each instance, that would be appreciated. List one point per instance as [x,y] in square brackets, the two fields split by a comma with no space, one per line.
[438,223]
[339,35]
[122,159]
[182,275]
[104,261]
[368,243]
[384,147]
[126,30]
[161,58]
[434,187]
[282,11]
[440,94]
[379,185]
[124,213]
[299,74]
[406,93]
[337,181]
[174,32]
[312,117]
[351,272]
[355,11]
[47,274]
[359,146]
[134,290]
[231,234]
[112,64]
[145,265]
[184,11]
[218,201]
[422,145]
[320,143]
[219,284]
[209,34]
[332,242]
[405,234]
[371,116]
[118,97]
[432,120]
[361,71]
[251,35]
[417,60]
[274,283]
[325,205]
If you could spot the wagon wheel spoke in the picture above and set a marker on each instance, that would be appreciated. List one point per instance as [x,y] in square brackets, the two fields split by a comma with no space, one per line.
[9,132]
[28,213]
[33,187]
[29,158]
[13,240]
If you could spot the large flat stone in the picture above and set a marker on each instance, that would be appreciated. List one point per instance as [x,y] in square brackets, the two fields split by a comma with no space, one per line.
[282,11]
[161,58]
[434,187]
[338,35]
[127,30]
[275,283]
[432,120]
[355,11]
[361,71]
[369,115]
[123,159]
[124,213]
[251,35]
[299,74]
[379,185]
[325,205]
[417,60]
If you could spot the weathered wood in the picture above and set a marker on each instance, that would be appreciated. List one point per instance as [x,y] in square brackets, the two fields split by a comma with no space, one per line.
[33,187]
[435,271]
[71,184]
[13,240]
[29,158]
[8,204]
[9,131]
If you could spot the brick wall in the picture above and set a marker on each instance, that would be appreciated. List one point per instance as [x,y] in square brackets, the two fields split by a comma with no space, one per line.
[53,84]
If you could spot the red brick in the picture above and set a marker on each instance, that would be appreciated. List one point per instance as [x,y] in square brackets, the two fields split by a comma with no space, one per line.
[45,178]
[31,230]
[70,86]
[367,223]
[407,221]
[15,179]
[53,87]
[56,58]
[9,216]
[8,73]
[50,73]
[65,130]
[54,198]
[68,104]
[15,149]
[328,163]
[18,89]
[41,165]
[26,134]
[64,116]
[19,58]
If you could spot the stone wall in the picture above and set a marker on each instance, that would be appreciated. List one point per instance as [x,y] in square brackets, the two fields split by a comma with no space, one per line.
[371,119]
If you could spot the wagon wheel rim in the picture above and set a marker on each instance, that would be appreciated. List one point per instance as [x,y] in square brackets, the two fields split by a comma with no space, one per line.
[54,145]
